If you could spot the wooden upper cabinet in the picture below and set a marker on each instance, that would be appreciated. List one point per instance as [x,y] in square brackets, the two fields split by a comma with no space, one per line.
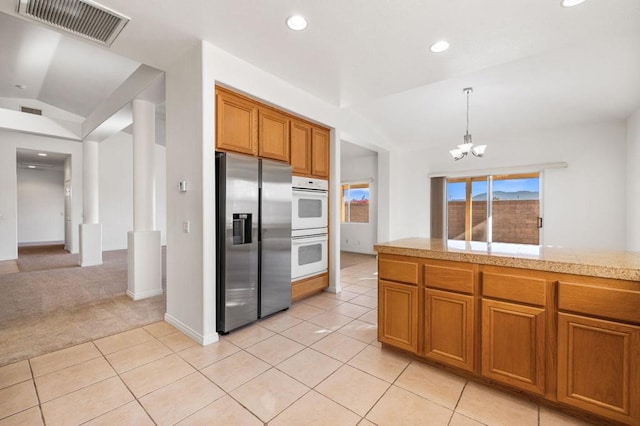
[273,135]
[236,124]
[300,148]
[320,152]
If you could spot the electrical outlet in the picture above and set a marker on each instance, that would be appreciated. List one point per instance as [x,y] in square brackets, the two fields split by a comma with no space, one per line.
[186,226]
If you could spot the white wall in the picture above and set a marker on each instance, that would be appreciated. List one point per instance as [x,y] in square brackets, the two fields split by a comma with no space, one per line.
[190,147]
[9,142]
[190,157]
[584,204]
[40,205]
[116,190]
[633,182]
[360,237]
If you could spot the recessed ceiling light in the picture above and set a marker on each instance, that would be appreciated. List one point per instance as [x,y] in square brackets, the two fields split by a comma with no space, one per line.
[439,46]
[31,167]
[571,3]
[297,22]
[20,86]
[42,154]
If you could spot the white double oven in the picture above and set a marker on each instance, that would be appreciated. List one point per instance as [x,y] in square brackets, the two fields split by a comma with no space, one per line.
[309,227]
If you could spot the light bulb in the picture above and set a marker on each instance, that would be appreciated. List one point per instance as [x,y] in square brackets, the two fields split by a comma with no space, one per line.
[478,150]
[439,46]
[297,22]
[571,3]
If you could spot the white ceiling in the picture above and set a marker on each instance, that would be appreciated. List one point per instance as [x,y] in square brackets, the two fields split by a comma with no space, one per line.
[58,70]
[350,151]
[52,161]
[533,64]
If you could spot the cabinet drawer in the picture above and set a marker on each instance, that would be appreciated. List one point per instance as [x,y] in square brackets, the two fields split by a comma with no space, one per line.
[614,303]
[398,270]
[513,287]
[457,277]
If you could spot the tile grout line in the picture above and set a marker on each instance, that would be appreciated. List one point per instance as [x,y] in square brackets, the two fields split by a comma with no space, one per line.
[33,379]
[453,412]
[125,385]
[323,380]
[390,386]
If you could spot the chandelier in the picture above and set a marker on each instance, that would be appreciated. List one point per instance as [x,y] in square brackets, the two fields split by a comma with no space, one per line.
[467,147]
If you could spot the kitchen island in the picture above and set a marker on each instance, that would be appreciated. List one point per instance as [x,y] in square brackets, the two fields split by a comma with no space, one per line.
[558,324]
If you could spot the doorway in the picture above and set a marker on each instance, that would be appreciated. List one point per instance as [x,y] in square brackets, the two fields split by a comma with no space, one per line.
[358,199]
[43,203]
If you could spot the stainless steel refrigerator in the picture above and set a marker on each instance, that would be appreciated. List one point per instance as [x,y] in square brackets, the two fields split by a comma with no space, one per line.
[253,239]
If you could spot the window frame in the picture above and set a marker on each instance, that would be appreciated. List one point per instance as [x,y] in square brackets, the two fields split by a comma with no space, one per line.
[345,214]
[489,178]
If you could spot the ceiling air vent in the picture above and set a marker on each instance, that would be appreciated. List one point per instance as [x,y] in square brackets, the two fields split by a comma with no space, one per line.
[81,17]
[31,110]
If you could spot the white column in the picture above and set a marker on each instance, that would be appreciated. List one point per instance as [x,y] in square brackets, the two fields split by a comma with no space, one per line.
[144,272]
[144,185]
[334,215]
[90,229]
[90,173]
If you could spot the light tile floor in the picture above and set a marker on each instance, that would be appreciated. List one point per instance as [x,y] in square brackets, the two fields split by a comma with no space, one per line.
[316,364]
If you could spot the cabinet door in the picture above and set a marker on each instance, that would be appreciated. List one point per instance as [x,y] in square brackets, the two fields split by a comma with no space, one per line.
[599,367]
[273,135]
[236,124]
[300,148]
[398,315]
[449,328]
[513,345]
[320,153]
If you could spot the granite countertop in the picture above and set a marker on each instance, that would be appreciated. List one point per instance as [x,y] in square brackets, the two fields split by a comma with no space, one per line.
[597,263]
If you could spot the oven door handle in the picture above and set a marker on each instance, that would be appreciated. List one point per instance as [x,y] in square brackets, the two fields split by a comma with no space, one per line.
[311,191]
[308,239]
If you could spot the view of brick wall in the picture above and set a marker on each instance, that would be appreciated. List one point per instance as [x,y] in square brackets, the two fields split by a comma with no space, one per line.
[359,212]
[455,216]
[514,221]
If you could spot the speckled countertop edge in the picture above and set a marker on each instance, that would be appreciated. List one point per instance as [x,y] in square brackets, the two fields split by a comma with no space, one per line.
[578,267]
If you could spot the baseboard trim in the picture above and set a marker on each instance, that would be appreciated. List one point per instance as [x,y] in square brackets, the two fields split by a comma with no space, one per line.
[41,243]
[199,338]
[143,295]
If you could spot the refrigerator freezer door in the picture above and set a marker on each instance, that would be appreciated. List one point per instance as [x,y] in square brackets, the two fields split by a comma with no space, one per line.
[237,200]
[276,238]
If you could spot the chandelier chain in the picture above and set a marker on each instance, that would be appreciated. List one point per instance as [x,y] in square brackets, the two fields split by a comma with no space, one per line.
[467,111]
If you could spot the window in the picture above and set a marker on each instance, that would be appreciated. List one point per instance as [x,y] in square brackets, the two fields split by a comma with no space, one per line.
[354,207]
[498,208]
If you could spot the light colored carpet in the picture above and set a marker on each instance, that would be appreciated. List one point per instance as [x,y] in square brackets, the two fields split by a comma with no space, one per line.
[46,257]
[46,310]
[8,267]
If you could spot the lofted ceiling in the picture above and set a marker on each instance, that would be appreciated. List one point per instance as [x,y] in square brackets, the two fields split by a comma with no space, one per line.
[56,69]
[533,64]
